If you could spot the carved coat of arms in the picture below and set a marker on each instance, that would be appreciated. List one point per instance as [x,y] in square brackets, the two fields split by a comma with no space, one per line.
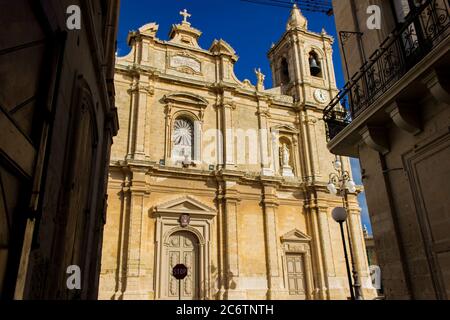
[185,219]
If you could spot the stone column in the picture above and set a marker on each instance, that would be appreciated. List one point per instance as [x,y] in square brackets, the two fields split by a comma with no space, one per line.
[232,286]
[167,138]
[321,290]
[307,171]
[274,279]
[264,139]
[134,98]
[150,89]
[138,119]
[124,212]
[228,133]
[330,68]
[359,249]
[222,274]
[141,117]
[310,125]
[326,248]
[197,141]
[138,195]
[300,70]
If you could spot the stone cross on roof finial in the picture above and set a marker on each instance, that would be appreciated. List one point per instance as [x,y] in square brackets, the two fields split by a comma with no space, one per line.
[185,15]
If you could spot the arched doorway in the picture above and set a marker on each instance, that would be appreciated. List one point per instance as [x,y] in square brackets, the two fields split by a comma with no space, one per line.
[183,247]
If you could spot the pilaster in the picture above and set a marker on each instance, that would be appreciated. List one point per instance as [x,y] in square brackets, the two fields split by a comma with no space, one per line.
[138,193]
[139,94]
[359,249]
[274,279]
[228,107]
[231,200]
[264,150]
[320,270]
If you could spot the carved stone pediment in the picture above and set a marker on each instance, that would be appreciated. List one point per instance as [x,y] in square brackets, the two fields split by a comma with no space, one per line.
[295,236]
[284,129]
[184,205]
[185,98]
[296,241]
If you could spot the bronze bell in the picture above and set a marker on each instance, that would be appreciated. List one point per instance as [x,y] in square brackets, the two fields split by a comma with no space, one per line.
[313,66]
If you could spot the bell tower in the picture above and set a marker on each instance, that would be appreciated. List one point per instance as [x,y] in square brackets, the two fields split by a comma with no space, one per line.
[302,64]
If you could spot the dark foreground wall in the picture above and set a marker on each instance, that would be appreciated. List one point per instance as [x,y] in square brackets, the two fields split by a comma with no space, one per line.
[57,120]
[400,119]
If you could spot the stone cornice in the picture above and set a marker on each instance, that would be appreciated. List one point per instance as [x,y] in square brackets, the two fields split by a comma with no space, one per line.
[218,87]
[297,32]
[240,177]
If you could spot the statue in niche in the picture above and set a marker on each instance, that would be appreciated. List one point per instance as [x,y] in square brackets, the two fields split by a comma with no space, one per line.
[285,155]
[285,160]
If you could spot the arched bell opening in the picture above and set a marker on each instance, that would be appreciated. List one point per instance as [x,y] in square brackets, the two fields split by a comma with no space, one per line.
[315,66]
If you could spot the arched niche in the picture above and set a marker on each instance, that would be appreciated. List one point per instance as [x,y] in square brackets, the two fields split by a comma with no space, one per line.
[190,108]
[285,77]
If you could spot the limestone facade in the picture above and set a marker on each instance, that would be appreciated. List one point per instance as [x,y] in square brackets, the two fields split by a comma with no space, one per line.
[224,176]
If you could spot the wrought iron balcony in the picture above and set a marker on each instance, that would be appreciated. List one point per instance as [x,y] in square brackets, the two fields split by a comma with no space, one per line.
[425,27]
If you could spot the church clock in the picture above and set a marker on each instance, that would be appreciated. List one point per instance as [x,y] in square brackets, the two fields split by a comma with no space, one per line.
[321,96]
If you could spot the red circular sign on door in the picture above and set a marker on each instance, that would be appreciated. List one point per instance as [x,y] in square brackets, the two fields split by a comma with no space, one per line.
[180,271]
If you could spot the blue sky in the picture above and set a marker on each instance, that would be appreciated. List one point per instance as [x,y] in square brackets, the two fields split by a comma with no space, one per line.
[249,28]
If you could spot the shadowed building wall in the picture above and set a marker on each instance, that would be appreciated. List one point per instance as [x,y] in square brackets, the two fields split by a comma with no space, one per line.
[57,120]
[397,124]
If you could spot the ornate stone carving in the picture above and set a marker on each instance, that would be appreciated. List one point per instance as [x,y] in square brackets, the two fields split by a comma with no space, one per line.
[183,139]
[185,62]
[185,219]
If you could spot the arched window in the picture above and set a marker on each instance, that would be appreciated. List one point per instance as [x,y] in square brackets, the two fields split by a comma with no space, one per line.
[284,67]
[183,139]
[315,65]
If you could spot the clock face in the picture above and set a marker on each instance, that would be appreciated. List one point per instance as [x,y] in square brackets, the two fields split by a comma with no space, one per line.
[321,96]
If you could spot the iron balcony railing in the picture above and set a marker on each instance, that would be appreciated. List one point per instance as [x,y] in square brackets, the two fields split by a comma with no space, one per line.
[425,27]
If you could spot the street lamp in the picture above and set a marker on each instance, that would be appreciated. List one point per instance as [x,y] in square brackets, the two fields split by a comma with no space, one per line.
[341,182]
[340,215]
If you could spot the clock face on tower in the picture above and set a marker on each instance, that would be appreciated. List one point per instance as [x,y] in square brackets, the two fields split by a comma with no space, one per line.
[321,96]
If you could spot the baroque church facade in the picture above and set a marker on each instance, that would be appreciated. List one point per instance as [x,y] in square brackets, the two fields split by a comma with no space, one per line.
[224,176]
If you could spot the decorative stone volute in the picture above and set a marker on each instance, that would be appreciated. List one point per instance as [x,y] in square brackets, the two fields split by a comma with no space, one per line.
[221,47]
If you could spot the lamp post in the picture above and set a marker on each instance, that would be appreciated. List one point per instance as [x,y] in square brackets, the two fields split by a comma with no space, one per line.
[340,215]
[341,182]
